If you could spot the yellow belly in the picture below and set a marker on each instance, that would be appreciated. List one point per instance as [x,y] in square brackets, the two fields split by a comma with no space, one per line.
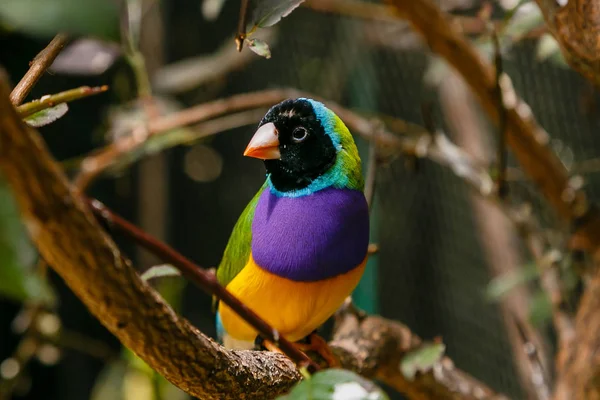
[295,309]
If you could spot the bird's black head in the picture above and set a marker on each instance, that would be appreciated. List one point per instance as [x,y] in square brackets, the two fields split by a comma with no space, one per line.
[293,144]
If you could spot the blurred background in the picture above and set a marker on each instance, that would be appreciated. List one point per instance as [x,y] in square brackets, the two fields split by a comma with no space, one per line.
[448,265]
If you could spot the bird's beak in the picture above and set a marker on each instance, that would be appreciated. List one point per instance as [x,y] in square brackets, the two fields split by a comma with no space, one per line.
[264,144]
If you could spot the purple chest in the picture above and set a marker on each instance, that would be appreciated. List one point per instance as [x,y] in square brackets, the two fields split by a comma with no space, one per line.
[313,237]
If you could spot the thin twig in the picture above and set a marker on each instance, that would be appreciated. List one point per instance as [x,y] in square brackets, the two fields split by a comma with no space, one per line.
[539,379]
[51,100]
[100,160]
[527,139]
[501,184]
[203,279]
[419,144]
[40,63]
[242,22]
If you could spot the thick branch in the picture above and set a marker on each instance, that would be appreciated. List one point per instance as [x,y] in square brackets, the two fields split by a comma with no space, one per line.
[70,240]
[526,138]
[203,279]
[374,347]
[39,65]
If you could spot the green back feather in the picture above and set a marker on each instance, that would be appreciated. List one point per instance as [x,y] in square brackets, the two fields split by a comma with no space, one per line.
[237,251]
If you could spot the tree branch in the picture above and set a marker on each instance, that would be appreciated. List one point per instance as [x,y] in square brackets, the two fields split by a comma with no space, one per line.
[578,364]
[72,242]
[374,347]
[527,139]
[39,65]
[418,143]
[74,245]
[201,278]
[48,101]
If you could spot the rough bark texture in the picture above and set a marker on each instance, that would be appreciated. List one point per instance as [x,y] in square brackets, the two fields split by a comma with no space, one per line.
[70,240]
[374,347]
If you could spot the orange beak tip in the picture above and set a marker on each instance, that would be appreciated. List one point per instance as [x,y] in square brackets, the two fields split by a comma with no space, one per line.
[264,144]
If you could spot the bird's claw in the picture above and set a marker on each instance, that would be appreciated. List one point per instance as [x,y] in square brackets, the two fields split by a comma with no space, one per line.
[318,345]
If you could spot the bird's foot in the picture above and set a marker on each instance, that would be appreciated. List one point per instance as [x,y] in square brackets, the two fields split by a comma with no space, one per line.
[317,344]
[265,344]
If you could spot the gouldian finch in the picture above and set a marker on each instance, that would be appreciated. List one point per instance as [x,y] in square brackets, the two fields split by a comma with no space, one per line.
[300,246]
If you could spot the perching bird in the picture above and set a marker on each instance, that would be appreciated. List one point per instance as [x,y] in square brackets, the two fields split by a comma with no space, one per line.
[300,246]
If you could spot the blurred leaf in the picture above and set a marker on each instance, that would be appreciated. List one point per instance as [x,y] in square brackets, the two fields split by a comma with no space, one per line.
[47,116]
[540,308]
[138,385]
[47,17]
[259,47]
[421,359]
[109,384]
[86,57]
[335,384]
[501,285]
[212,8]
[17,256]
[269,12]
[548,49]
[160,271]
[546,46]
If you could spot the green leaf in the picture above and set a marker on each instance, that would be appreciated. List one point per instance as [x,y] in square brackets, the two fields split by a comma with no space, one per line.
[335,384]
[421,359]
[501,285]
[47,116]
[160,271]
[47,17]
[259,47]
[269,12]
[540,308]
[18,281]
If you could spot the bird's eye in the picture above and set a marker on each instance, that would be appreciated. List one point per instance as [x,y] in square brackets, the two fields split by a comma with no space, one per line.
[299,134]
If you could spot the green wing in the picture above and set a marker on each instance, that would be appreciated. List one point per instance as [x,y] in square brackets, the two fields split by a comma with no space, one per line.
[238,248]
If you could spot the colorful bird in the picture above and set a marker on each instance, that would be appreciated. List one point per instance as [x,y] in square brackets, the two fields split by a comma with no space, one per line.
[300,246]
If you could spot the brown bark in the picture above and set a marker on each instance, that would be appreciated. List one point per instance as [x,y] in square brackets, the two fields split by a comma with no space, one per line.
[579,359]
[39,65]
[74,245]
[374,347]
[576,27]
[70,240]
[526,138]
